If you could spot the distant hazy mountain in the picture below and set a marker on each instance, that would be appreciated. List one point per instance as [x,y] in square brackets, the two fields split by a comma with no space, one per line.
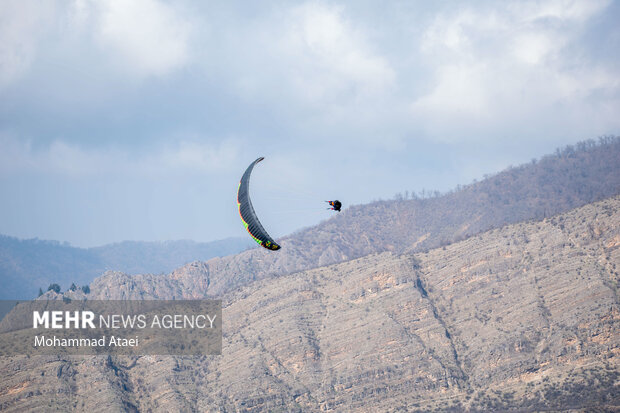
[27,265]
[524,318]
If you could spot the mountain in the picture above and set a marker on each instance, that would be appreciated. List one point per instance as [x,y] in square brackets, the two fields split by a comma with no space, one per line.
[403,305]
[572,177]
[522,318]
[27,265]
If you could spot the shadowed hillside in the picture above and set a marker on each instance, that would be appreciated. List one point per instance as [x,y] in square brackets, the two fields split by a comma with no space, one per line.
[523,318]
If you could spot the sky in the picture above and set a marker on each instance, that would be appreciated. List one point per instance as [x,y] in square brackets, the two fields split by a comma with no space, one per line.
[135,119]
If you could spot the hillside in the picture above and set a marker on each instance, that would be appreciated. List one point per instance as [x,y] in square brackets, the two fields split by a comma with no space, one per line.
[27,265]
[569,179]
[521,318]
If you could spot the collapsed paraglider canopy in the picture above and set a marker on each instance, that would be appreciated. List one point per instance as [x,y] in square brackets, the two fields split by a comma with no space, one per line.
[335,205]
[248,216]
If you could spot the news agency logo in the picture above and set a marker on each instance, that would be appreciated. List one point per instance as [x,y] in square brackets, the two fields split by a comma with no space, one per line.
[171,327]
[86,319]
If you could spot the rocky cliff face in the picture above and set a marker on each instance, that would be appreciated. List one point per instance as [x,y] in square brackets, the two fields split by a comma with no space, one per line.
[522,318]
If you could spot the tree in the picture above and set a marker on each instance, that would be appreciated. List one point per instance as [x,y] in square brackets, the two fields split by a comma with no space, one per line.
[54,287]
[86,289]
[73,287]
[40,292]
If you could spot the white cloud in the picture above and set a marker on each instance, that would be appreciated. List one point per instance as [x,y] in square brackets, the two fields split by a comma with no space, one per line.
[532,48]
[151,36]
[22,25]
[494,69]
[335,55]
[337,70]
[198,156]
[566,11]
[68,159]
[313,54]
[140,37]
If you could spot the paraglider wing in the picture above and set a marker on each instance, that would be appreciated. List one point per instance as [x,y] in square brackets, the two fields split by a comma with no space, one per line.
[248,216]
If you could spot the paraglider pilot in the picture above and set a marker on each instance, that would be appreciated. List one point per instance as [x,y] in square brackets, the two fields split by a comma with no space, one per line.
[335,205]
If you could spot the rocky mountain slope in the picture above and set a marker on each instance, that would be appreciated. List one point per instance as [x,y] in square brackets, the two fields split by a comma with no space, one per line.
[522,318]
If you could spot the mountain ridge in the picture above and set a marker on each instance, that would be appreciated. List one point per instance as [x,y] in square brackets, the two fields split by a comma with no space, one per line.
[27,265]
[521,318]
[571,178]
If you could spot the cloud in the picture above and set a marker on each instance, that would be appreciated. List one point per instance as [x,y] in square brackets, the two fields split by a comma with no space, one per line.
[72,160]
[137,37]
[565,11]
[332,56]
[312,54]
[150,36]
[22,25]
[505,67]
[196,156]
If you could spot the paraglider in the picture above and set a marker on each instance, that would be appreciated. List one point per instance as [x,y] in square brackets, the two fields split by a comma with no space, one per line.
[335,205]
[248,215]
